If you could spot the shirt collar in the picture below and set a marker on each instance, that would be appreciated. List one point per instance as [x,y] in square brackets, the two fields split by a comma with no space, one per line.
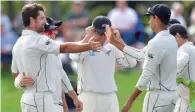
[187,43]
[28,32]
[162,33]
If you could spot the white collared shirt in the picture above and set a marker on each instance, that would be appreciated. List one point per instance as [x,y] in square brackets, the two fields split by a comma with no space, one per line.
[160,62]
[96,69]
[30,56]
[186,61]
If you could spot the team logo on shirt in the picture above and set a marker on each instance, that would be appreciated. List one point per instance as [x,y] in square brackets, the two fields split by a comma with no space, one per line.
[91,53]
[150,55]
[48,42]
[108,52]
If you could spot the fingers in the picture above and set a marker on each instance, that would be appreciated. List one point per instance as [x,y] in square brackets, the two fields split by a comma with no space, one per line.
[79,107]
[89,31]
[23,74]
[116,32]
[27,81]
[96,46]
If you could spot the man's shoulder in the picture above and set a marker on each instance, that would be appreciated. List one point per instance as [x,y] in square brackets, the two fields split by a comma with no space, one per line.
[188,48]
[110,46]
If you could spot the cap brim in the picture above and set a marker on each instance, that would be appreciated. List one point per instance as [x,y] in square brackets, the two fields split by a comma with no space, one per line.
[50,27]
[100,31]
[148,14]
[58,23]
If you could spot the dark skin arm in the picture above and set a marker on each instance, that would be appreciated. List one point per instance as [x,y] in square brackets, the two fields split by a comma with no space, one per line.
[71,47]
[131,99]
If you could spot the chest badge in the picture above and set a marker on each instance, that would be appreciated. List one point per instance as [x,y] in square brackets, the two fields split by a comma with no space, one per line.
[108,52]
[91,53]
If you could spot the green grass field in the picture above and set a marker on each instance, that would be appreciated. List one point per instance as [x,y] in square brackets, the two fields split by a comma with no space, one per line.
[10,96]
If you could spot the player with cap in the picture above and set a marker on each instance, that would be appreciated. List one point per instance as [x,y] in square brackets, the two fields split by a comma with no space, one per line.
[60,77]
[30,55]
[160,64]
[96,84]
[185,66]
[173,21]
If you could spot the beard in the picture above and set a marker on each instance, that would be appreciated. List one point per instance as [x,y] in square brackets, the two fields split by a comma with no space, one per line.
[40,29]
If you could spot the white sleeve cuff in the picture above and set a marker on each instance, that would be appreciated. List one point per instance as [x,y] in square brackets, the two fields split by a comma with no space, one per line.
[17,81]
[144,80]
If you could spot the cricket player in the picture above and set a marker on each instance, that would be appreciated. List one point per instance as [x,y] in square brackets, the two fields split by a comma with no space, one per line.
[61,79]
[160,64]
[173,21]
[30,55]
[96,84]
[185,65]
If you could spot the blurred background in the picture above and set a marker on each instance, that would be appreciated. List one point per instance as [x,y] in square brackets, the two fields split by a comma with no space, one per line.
[128,17]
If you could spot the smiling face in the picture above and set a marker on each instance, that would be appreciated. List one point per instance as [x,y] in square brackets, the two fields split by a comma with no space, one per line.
[38,23]
[33,17]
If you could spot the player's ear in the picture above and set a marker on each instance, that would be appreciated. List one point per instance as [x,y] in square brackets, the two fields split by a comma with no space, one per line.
[177,35]
[31,19]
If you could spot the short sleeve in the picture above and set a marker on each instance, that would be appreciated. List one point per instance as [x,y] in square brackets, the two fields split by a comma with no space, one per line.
[47,46]
[14,67]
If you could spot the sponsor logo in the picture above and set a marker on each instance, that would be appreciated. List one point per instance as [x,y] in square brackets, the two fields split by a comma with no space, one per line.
[91,53]
[48,42]
[150,55]
[108,52]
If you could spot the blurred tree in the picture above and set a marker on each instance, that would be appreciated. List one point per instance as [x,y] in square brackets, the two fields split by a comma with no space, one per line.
[11,10]
[55,10]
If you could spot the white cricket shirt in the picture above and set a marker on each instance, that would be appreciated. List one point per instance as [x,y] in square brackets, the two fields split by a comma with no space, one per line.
[160,63]
[96,69]
[186,61]
[30,56]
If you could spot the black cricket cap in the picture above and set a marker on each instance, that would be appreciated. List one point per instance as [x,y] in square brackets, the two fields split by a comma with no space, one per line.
[162,11]
[52,22]
[99,23]
[173,21]
[49,27]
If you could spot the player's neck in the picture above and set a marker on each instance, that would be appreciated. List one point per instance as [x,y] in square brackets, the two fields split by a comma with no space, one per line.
[159,29]
[30,28]
[183,42]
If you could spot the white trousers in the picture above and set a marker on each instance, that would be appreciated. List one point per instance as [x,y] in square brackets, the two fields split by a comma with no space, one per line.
[99,102]
[182,104]
[37,102]
[58,108]
[159,101]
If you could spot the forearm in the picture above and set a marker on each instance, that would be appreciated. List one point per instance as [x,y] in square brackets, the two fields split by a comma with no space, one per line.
[131,61]
[72,47]
[78,56]
[65,106]
[126,61]
[73,95]
[134,95]
[118,44]
[134,53]
[14,75]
